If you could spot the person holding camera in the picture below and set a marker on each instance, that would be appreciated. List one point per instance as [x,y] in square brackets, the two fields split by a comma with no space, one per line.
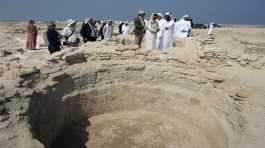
[70,34]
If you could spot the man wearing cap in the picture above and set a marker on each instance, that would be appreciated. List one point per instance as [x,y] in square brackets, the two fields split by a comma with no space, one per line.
[139,29]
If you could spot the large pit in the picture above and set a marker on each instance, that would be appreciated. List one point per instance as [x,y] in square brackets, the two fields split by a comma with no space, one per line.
[119,115]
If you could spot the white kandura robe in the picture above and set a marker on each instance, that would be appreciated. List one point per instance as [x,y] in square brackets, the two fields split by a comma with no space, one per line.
[125,30]
[107,31]
[161,24]
[152,29]
[211,29]
[182,28]
[169,34]
[177,30]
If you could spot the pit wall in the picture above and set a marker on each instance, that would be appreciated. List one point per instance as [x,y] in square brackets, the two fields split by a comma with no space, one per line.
[62,98]
[65,104]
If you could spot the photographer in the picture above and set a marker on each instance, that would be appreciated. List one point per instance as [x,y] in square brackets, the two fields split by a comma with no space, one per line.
[70,34]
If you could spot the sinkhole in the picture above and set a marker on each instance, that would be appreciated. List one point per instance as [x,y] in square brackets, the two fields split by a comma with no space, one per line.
[122,116]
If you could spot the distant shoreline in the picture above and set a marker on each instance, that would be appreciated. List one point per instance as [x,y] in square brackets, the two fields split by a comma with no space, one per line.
[242,26]
[223,25]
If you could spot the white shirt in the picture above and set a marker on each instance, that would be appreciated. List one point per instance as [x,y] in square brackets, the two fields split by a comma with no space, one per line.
[182,28]
[71,34]
[161,24]
[107,30]
[169,34]
[125,30]
[211,29]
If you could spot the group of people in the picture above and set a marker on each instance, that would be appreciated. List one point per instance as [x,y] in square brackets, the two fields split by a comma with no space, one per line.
[160,32]
[90,31]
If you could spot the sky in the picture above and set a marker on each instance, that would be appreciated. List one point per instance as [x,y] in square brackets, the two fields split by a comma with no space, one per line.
[202,11]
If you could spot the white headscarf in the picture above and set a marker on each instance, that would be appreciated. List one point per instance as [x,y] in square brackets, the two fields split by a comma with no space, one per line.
[153,22]
[168,13]
[109,20]
[151,18]
[160,14]
[185,16]
[87,20]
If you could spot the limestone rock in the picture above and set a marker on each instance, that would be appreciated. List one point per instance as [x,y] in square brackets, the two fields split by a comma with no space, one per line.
[135,67]
[122,49]
[75,58]
[27,93]
[2,109]
[201,55]
[29,73]
[243,63]
[153,57]
[142,52]
[2,99]
[5,53]
[234,57]
[230,64]
[4,118]
[243,93]
[103,70]
[257,65]
[60,76]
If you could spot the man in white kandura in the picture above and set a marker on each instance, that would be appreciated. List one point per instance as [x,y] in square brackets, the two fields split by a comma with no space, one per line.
[108,30]
[183,27]
[169,32]
[152,28]
[161,23]
[125,29]
[211,28]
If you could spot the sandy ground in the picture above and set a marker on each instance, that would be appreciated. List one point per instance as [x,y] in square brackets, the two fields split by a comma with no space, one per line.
[237,54]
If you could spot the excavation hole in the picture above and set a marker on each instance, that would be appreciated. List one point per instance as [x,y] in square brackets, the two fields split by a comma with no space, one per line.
[118,116]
